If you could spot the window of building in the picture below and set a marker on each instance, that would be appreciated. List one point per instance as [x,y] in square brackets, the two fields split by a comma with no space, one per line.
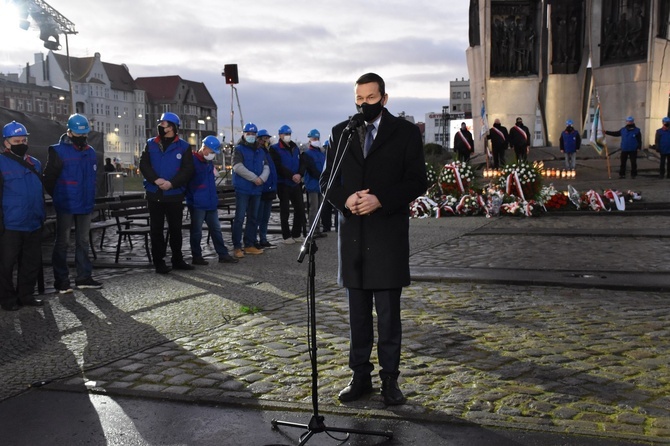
[29,105]
[466,95]
[456,95]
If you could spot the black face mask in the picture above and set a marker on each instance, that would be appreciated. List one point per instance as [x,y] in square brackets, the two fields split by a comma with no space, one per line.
[19,149]
[78,141]
[370,111]
[161,131]
[496,125]
[569,128]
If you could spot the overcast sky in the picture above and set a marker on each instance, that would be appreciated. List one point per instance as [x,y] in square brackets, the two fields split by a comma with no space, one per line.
[297,60]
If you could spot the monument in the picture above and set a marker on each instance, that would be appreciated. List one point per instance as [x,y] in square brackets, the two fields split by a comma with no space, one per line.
[548,60]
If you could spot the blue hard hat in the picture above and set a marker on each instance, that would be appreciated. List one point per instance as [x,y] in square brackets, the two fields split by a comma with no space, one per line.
[250,128]
[314,133]
[213,143]
[630,119]
[14,129]
[284,130]
[262,132]
[569,122]
[170,117]
[666,120]
[78,124]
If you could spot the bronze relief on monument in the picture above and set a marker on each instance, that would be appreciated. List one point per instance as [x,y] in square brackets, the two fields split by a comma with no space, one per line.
[624,31]
[567,36]
[514,38]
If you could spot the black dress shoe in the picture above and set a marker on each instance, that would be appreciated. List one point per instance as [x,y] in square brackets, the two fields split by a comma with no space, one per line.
[391,392]
[357,388]
[34,303]
[162,268]
[228,259]
[182,265]
[199,261]
[11,307]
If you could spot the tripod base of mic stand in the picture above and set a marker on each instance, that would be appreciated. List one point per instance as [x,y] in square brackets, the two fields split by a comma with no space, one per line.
[316,426]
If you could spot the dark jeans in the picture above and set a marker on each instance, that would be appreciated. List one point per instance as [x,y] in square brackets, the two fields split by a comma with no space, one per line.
[198,216]
[245,206]
[159,212]
[633,163]
[665,159]
[327,216]
[291,196]
[389,331]
[82,226]
[264,212]
[25,250]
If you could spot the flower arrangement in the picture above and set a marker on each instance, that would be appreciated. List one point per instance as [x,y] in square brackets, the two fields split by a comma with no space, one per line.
[456,178]
[431,174]
[422,207]
[521,179]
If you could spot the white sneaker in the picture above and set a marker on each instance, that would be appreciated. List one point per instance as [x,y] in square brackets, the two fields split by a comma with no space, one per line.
[299,239]
[289,241]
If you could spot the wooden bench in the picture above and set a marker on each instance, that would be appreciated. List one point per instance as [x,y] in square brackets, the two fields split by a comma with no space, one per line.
[126,215]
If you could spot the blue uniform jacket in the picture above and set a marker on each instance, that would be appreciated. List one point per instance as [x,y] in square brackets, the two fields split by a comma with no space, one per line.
[70,176]
[201,190]
[21,195]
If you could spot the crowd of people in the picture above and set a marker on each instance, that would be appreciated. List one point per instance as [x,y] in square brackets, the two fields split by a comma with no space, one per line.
[174,175]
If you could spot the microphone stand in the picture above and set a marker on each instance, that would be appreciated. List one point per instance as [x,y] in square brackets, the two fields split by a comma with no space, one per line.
[316,423]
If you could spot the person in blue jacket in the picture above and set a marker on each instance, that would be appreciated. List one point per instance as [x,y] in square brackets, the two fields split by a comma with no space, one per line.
[570,142]
[21,219]
[167,167]
[631,142]
[250,171]
[313,159]
[662,142]
[202,201]
[268,194]
[69,177]
[286,156]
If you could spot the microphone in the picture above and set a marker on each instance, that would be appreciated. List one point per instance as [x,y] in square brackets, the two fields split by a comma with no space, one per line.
[355,122]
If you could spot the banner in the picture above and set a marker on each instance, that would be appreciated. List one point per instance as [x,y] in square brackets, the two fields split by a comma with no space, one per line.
[597,139]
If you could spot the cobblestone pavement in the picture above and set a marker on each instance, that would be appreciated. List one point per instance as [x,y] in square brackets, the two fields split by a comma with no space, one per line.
[550,358]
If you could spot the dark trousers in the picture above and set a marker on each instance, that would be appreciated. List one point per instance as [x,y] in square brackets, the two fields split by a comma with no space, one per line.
[498,157]
[665,160]
[633,163]
[173,213]
[25,250]
[291,196]
[389,331]
[521,153]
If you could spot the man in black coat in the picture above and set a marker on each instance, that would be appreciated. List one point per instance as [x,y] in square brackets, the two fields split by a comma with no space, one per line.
[519,138]
[499,142]
[372,192]
[464,145]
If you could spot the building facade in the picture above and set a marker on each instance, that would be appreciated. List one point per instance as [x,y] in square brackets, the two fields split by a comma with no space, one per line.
[459,109]
[190,100]
[46,102]
[103,92]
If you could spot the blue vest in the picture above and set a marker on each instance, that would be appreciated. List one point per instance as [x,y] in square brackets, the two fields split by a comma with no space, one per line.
[664,141]
[629,141]
[166,163]
[271,184]
[253,161]
[74,192]
[312,184]
[290,158]
[22,196]
[201,190]
[570,141]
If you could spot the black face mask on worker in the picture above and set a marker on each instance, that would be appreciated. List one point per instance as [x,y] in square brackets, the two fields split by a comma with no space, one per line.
[370,111]
[79,141]
[161,131]
[19,149]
